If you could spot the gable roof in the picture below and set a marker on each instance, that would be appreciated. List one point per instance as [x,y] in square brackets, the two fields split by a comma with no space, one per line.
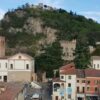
[68,69]
[95,57]
[25,56]
[57,80]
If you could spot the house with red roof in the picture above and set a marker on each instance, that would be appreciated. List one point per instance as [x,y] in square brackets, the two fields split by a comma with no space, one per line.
[12,91]
[76,84]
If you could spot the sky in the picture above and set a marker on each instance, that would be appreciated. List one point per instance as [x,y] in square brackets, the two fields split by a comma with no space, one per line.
[88,8]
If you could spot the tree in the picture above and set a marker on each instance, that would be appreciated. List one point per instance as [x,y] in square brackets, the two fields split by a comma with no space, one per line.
[82,53]
[51,59]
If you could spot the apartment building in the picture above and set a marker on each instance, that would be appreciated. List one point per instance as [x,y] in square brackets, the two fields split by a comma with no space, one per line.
[77,84]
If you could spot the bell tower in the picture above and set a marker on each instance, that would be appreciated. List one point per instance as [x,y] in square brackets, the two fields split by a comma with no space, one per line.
[2,46]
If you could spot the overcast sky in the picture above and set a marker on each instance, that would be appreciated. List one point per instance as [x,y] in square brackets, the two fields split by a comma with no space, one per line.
[88,8]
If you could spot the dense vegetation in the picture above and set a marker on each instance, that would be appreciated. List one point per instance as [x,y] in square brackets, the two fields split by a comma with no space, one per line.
[51,59]
[69,26]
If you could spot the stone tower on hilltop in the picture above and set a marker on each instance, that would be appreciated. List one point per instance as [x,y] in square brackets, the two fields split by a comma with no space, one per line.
[2,46]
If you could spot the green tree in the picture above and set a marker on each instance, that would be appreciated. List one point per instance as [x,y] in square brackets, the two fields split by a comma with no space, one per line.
[51,59]
[82,53]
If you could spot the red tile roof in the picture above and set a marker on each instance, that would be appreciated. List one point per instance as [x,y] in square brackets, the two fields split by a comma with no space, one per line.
[68,69]
[57,80]
[12,89]
[80,73]
[92,73]
[67,66]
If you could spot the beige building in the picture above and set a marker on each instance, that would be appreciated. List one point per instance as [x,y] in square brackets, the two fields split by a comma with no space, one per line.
[19,67]
[68,49]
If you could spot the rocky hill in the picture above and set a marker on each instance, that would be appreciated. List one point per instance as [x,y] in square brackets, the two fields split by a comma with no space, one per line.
[30,27]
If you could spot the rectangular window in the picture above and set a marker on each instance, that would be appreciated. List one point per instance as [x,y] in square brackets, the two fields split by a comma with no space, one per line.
[6,65]
[77,81]
[96,89]
[83,89]
[69,77]
[27,66]
[0,77]
[88,82]
[83,81]
[98,65]
[11,66]
[69,84]
[62,77]
[88,88]
[78,89]
[96,82]
[94,65]
[69,96]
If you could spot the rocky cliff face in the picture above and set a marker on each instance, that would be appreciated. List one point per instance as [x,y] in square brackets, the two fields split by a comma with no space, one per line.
[31,26]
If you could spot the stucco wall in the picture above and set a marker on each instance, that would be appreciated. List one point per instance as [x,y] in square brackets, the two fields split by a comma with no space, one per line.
[19,76]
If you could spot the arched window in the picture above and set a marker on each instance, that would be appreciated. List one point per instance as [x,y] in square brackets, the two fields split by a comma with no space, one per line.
[56,86]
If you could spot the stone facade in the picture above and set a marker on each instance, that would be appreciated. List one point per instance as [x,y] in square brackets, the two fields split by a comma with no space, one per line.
[68,49]
[19,76]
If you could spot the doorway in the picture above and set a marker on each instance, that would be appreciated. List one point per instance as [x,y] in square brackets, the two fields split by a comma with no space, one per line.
[5,78]
[80,98]
[56,98]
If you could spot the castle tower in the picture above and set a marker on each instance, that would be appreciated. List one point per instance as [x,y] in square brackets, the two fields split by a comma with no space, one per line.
[2,46]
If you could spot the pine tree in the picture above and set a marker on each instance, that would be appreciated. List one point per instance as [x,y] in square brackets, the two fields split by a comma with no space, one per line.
[51,59]
[82,54]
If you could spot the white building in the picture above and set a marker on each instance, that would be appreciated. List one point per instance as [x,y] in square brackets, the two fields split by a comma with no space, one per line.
[65,87]
[19,67]
[3,69]
[95,62]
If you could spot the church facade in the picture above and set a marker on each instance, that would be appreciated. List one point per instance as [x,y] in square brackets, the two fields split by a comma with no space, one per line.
[19,67]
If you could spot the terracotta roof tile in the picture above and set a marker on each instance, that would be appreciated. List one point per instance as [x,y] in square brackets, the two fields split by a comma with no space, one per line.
[12,89]
[57,80]
[92,73]
[80,73]
[67,66]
